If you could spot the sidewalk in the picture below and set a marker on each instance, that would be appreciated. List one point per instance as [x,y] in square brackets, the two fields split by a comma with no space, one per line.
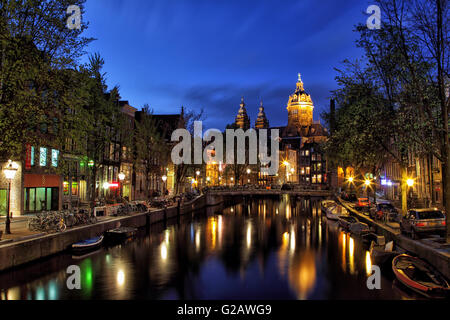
[20,231]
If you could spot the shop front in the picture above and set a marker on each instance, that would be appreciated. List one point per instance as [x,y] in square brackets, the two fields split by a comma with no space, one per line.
[41,193]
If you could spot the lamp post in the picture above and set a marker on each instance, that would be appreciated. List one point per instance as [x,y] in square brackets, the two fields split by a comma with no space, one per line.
[350,181]
[286,164]
[164,179]
[410,184]
[367,183]
[121,178]
[10,173]
[197,173]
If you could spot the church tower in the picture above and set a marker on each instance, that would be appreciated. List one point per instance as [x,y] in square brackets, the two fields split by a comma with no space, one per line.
[261,120]
[300,107]
[242,119]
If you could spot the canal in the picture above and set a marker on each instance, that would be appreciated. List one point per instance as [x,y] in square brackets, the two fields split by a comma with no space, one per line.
[280,248]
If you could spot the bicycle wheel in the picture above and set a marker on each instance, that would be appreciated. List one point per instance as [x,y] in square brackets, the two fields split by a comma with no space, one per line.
[61,227]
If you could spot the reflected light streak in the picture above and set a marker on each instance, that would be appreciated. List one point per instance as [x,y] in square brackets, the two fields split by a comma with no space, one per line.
[292,242]
[343,239]
[197,240]
[120,277]
[249,235]
[368,263]
[352,255]
[164,251]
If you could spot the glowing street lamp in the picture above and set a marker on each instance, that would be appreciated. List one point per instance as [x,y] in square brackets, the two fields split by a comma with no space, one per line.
[121,178]
[10,172]
[410,182]
[164,179]
[350,179]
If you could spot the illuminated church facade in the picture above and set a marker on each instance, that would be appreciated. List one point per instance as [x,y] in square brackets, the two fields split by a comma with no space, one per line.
[301,158]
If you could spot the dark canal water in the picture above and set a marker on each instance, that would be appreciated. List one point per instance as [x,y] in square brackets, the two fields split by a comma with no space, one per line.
[265,249]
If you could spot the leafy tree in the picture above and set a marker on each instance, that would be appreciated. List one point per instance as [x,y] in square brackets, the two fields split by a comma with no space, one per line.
[406,64]
[35,49]
[102,125]
[151,150]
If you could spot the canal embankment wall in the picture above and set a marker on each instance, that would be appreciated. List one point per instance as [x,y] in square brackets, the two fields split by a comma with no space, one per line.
[27,250]
[438,258]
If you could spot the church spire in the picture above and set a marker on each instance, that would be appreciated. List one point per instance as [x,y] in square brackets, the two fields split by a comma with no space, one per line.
[242,119]
[261,120]
[300,107]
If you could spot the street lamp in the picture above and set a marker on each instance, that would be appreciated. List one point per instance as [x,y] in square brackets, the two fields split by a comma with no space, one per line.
[121,178]
[164,179]
[410,182]
[10,173]
[367,183]
[286,164]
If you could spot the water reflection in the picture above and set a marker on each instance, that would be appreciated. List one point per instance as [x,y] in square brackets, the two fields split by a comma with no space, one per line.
[258,249]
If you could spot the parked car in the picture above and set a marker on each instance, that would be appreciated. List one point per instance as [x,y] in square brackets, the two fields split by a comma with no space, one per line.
[418,222]
[363,202]
[384,210]
[363,205]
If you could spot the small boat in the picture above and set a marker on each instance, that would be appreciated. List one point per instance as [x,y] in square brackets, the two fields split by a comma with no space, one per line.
[325,204]
[346,221]
[336,211]
[88,244]
[359,228]
[82,256]
[121,233]
[382,254]
[420,276]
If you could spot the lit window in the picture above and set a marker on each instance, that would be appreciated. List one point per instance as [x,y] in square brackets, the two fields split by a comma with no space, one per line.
[314,179]
[32,156]
[55,156]
[307,152]
[43,157]
[319,178]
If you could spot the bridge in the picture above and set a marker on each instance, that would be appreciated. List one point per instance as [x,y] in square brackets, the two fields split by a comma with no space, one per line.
[272,192]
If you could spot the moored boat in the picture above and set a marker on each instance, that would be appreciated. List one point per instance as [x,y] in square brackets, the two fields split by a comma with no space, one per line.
[359,228]
[325,204]
[382,254]
[346,221]
[335,212]
[88,244]
[121,233]
[420,276]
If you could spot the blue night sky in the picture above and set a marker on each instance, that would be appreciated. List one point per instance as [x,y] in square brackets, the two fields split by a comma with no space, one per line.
[209,53]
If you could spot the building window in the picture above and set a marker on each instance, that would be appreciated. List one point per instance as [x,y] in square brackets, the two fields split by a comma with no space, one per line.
[55,156]
[40,199]
[306,152]
[308,170]
[43,157]
[319,178]
[32,156]
[314,179]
